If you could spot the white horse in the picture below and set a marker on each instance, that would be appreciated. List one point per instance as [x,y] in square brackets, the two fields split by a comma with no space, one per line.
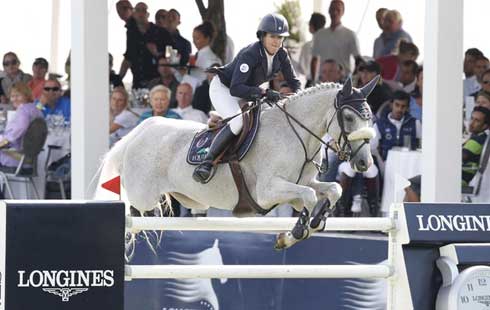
[151,159]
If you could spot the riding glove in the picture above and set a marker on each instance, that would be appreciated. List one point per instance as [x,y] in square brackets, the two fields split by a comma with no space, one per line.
[272,95]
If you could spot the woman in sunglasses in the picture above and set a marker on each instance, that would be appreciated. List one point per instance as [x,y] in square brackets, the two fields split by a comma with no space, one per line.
[21,99]
[13,74]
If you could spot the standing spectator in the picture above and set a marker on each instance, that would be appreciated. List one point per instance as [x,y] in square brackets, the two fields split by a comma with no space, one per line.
[472,149]
[201,100]
[51,102]
[336,42]
[408,75]
[166,78]
[160,101]
[393,33]
[162,19]
[13,74]
[21,99]
[390,65]
[205,57]
[330,71]
[145,42]
[416,98]
[184,107]
[182,45]
[317,22]
[39,70]
[470,83]
[381,92]
[379,42]
[122,119]
[114,78]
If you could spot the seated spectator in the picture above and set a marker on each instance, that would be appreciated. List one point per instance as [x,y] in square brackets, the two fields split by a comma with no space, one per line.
[13,74]
[381,92]
[485,84]
[408,75]
[51,101]
[203,36]
[483,100]
[470,83]
[397,128]
[160,101]
[166,78]
[184,107]
[416,98]
[482,64]
[473,147]
[114,78]
[21,99]
[39,70]
[330,71]
[122,119]
[201,100]
[390,65]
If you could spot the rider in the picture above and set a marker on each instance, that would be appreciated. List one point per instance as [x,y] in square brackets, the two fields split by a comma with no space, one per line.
[240,79]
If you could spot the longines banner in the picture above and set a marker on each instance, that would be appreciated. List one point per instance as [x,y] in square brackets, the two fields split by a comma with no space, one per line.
[447,223]
[218,248]
[42,268]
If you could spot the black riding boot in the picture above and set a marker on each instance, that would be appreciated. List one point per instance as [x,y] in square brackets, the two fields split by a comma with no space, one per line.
[344,203]
[372,187]
[203,172]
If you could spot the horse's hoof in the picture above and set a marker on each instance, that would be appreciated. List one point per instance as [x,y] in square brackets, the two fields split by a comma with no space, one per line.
[284,241]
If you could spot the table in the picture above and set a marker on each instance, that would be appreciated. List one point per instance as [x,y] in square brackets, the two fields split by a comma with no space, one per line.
[402,163]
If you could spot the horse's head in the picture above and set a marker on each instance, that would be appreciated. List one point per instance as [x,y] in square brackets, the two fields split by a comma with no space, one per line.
[355,121]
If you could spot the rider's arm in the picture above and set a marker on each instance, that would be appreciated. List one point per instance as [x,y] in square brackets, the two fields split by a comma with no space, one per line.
[241,74]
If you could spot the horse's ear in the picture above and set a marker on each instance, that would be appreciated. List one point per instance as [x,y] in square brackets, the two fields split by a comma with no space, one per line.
[347,90]
[368,88]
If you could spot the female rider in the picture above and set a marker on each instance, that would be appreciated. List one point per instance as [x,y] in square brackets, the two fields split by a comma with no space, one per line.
[240,79]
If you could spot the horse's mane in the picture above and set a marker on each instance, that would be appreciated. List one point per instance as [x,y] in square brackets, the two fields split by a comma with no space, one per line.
[311,91]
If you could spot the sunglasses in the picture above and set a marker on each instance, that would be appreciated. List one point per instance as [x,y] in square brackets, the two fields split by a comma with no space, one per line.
[10,63]
[51,88]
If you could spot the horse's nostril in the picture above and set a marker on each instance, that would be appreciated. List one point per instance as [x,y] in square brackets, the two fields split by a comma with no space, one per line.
[362,163]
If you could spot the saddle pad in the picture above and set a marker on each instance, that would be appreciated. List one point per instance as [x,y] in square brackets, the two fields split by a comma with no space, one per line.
[202,141]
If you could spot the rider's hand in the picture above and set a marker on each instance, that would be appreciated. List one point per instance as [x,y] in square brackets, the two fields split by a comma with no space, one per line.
[272,95]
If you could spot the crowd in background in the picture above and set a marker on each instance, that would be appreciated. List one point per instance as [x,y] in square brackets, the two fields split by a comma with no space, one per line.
[177,85]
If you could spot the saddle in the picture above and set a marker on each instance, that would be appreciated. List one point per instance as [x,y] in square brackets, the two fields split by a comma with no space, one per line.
[235,152]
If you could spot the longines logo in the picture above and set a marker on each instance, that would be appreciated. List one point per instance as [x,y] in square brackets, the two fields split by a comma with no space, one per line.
[66,283]
[454,222]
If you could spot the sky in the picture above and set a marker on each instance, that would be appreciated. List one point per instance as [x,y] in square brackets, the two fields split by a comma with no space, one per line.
[29,33]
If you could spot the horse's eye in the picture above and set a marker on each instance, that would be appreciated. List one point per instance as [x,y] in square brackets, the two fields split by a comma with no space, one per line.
[349,118]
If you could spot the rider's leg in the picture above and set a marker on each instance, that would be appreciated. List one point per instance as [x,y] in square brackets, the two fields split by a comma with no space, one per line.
[226,105]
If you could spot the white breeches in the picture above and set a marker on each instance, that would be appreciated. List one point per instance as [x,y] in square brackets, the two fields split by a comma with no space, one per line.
[347,170]
[225,104]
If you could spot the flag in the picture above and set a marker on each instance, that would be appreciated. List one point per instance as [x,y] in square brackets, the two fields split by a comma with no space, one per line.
[113,185]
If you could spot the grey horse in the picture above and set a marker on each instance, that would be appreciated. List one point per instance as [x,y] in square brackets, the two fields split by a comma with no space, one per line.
[151,159]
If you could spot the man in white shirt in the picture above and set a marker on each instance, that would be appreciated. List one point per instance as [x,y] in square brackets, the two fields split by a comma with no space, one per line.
[184,106]
[317,22]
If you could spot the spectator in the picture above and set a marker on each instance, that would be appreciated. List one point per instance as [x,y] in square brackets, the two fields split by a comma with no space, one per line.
[162,19]
[472,149]
[481,65]
[485,84]
[182,45]
[51,102]
[145,42]
[166,78]
[114,78]
[392,34]
[381,92]
[412,192]
[21,99]
[416,99]
[397,128]
[330,71]
[390,65]
[284,89]
[408,75]
[205,57]
[184,106]
[379,42]
[122,119]
[483,100]
[39,70]
[336,42]
[201,100]
[13,74]
[470,83]
[160,101]
[317,22]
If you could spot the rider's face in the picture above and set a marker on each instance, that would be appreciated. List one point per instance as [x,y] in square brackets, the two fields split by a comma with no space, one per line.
[272,43]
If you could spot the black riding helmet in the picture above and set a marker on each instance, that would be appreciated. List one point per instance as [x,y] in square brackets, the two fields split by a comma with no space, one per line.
[273,23]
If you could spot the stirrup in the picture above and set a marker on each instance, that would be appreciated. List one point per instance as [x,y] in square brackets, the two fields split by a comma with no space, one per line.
[197,175]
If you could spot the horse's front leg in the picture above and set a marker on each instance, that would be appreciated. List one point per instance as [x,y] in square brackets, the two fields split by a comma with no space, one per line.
[329,192]
[303,199]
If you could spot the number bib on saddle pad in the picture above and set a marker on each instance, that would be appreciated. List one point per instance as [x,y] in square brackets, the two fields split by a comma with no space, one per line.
[238,149]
